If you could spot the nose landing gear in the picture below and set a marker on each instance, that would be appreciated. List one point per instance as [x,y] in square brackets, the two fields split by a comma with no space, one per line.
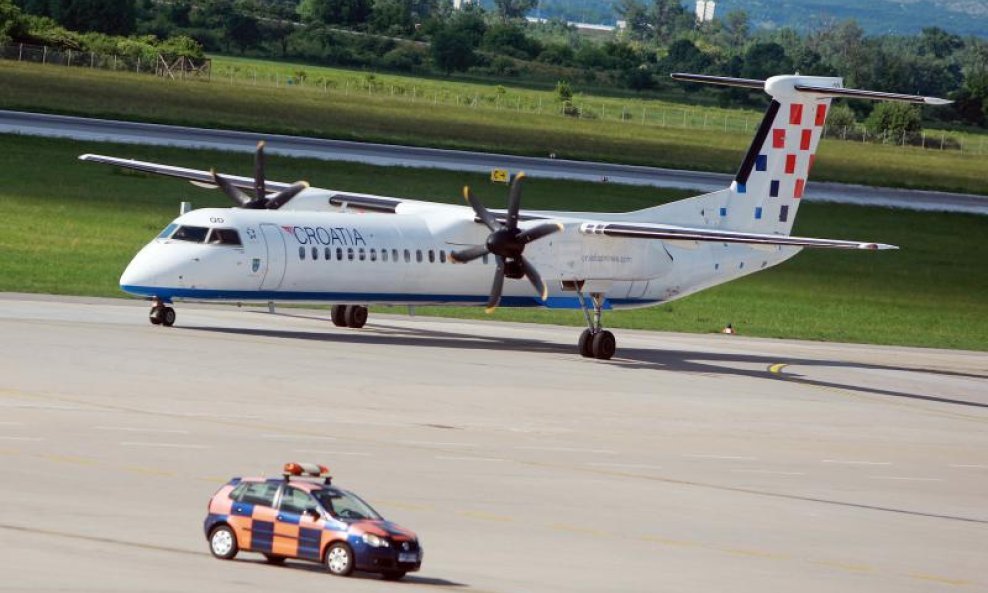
[161,314]
[595,342]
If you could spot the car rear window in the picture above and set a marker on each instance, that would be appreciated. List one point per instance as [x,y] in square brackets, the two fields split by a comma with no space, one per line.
[256,493]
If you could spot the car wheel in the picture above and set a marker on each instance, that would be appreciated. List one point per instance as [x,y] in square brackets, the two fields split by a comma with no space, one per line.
[223,543]
[393,575]
[339,559]
[273,559]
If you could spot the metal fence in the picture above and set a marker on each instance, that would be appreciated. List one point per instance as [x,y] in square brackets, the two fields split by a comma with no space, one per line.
[159,65]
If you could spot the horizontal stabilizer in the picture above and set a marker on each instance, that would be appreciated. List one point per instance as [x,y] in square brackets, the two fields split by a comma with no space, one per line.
[772,86]
[678,233]
[871,95]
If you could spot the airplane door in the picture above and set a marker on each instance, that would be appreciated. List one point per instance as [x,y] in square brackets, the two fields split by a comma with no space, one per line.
[275,262]
[638,289]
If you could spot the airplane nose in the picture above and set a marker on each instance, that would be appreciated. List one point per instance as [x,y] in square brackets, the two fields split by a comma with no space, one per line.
[140,272]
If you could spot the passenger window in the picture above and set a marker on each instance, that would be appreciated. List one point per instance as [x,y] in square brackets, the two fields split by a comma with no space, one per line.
[297,501]
[301,252]
[432,256]
[408,256]
[384,255]
[442,256]
[363,254]
[394,254]
[315,253]
[328,253]
[260,493]
[339,254]
[349,253]
[373,254]
[225,237]
[192,234]
[418,255]
[168,231]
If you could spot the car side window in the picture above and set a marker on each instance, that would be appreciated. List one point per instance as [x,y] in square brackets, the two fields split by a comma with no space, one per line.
[261,493]
[297,501]
[238,492]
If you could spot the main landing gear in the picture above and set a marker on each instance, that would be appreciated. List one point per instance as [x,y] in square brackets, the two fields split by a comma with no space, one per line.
[595,342]
[353,316]
[161,314]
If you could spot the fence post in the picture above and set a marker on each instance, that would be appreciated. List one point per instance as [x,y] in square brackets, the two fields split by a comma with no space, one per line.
[725,122]
[540,111]
[20,51]
[92,60]
[69,63]
[684,118]
[138,64]
[44,55]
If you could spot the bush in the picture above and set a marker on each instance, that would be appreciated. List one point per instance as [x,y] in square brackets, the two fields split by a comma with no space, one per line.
[895,120]
[404,57]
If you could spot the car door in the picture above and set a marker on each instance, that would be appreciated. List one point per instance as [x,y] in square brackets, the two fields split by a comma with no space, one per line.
[252,516]
[298,527]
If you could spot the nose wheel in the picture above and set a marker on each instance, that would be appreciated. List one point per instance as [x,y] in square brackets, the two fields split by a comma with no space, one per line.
[161,314]
[353,316]
[595,341]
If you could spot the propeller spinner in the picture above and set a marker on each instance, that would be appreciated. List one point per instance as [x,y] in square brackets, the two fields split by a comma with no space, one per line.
[507,243]
[261,200]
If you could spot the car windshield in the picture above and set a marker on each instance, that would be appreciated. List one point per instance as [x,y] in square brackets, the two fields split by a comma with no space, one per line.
[344,505]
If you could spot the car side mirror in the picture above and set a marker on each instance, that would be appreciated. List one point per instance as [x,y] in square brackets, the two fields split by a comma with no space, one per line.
[314,513]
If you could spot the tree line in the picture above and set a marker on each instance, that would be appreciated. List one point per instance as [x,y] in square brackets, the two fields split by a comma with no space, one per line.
[429,36]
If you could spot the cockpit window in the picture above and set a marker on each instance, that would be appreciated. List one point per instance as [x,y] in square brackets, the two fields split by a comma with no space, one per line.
[168,231]
[194,234]
[224,237]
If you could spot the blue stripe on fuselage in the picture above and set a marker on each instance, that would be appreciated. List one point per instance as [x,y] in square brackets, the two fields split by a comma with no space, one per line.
[554,302]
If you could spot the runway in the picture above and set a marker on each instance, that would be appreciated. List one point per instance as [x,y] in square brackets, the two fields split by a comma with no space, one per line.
[79,128]
[687,463]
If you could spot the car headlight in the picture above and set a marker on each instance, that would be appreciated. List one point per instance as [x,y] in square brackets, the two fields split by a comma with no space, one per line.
[375,541]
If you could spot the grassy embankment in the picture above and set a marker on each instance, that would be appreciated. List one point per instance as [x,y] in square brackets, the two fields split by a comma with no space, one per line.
[70,227]
[336,114]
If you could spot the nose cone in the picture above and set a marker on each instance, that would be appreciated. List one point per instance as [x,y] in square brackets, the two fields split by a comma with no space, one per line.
[142,272]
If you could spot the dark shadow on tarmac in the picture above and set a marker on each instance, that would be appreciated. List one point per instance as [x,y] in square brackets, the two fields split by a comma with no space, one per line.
[315,567]
[679,361]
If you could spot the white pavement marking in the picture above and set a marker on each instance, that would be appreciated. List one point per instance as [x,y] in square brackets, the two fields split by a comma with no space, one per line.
[905,478]
[768,472]
[568,450]
[455,458]
[295,437]
[168,445]
[331,453]
[626,465]
[135,429]
[855,462]
[38,406]
[10,423]
[727,457]
[969,465]
[5,438]
[438,444]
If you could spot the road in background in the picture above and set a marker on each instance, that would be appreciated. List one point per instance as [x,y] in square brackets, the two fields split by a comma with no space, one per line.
[79,128]
[687,463]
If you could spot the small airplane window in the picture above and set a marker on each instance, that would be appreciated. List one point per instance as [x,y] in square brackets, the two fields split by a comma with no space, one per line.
[408,256]
[328,253]
[373,254]
[442,256]
[384,255]
[301,252]
[363,254]
[339,254]
[168,231]
[349,253]
[193,234]
[315,253]
[225,237]
[432,256]
[394,254]
[418,255]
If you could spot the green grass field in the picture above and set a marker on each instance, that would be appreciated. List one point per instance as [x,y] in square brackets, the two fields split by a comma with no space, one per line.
[70,227]
[384,118]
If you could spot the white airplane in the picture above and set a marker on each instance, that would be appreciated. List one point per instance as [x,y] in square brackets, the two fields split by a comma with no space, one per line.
[304,244]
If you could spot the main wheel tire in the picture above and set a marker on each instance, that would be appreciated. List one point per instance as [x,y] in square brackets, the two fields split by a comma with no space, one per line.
[586,344]
[356,316]
[338,315]
[155,315]
[604,345]
[274,559]
[393,575]
[339,559]
[168,317]
[223,543]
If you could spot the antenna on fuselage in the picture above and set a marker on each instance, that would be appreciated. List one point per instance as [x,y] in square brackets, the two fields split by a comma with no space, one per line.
[184,208]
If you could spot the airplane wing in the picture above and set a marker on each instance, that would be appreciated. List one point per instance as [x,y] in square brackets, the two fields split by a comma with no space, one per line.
[679,233]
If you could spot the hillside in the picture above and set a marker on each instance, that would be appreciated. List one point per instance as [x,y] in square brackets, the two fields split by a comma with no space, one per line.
[964,17]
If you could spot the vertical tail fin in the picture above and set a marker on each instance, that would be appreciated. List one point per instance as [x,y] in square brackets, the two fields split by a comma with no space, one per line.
[769,185]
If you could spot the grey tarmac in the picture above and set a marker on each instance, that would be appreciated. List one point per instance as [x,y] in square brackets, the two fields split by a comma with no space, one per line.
[687,463]
[80,128]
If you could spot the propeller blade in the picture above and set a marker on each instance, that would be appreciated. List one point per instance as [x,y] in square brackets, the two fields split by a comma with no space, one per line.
[239,198]
[259,189]
[496,287]
[281,198]
[514,200]
[485,217]
[535,279]
[535,233]
[467,255]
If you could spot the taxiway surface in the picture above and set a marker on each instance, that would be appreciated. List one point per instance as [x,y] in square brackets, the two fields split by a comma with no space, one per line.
[687,463]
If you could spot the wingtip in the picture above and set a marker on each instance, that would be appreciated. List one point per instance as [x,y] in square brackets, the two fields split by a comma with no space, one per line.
[936,101]
[85,157]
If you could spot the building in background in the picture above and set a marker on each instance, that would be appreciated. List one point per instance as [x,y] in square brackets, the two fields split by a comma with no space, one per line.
[705,11]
